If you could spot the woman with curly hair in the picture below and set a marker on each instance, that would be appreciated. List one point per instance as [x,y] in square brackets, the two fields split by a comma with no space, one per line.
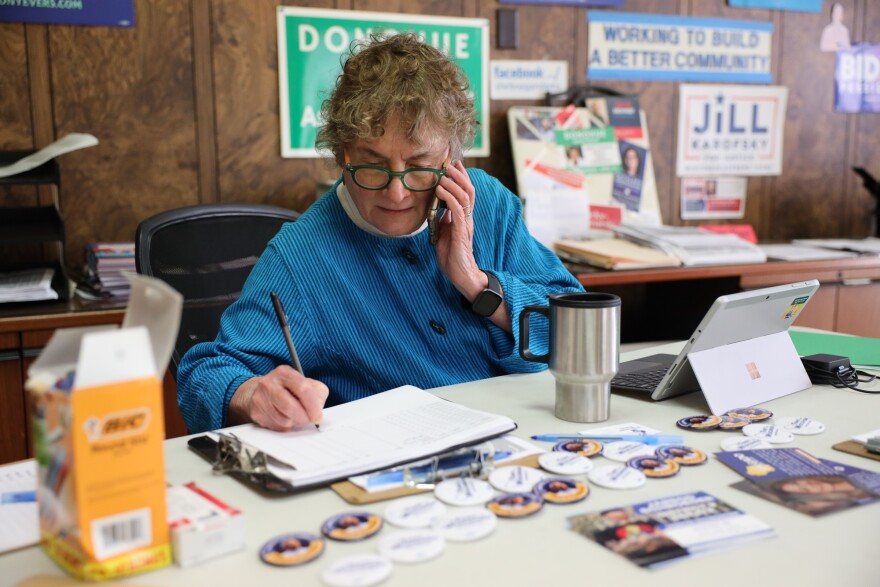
[377,299]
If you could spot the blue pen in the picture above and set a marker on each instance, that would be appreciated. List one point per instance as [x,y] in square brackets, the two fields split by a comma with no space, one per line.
[646,439]
[18,497]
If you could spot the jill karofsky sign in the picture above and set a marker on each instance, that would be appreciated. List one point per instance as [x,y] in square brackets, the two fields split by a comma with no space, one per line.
[730,130]
[312,43]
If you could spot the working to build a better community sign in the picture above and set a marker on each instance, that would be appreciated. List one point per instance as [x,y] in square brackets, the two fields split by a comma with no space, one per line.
[626,45]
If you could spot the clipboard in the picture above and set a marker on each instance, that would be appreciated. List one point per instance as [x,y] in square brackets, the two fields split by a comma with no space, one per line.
[269,485]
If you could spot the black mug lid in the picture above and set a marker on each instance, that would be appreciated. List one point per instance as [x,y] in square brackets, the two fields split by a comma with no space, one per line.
[584,300]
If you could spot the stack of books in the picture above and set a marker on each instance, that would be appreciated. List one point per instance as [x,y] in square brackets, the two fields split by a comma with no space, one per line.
[614,253]
[105,263]
[692,245]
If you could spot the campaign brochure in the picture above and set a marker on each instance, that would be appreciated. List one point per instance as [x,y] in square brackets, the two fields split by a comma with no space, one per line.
[668,529]
[797,480]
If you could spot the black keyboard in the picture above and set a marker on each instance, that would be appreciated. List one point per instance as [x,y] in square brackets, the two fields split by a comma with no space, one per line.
[647,380]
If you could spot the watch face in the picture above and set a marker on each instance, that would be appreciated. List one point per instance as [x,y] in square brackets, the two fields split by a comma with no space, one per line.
[486,303]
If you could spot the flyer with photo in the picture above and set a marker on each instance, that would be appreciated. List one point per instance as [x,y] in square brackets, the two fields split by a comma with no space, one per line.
[799,481]
[585,169]
[664,530]
[627,188]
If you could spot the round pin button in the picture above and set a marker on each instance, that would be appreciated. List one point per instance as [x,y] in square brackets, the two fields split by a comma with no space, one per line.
[733,423]
[753,414]
[744,443]
[414,512]
[617,477]
[683,455]
[585,448]
[623,450]
[350,526]
[565,463]
[466,524]
[464,491]
[289,550]
[563,491]
[801,425]
[699,423]
[515,505]
[357,570]
[515,479]
[769,432]
[412,546]
[654,466]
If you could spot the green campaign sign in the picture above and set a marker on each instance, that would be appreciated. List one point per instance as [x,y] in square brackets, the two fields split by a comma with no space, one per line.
[312,43]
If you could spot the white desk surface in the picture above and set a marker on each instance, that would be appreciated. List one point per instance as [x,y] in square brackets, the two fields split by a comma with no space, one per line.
[840,549]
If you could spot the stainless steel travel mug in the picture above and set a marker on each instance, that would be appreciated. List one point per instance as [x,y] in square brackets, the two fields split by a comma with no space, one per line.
[583,354]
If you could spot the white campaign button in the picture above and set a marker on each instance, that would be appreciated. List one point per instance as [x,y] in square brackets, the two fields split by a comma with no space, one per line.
[565,463]
[769,432]
[412,546]
[743,443]
[357,570]
[464,491]
[515,479]
[801,425]
[623,450]
[466,524]
[617,477]
[414,512]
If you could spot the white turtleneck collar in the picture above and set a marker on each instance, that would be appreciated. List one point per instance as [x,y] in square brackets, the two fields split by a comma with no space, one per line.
[354,214]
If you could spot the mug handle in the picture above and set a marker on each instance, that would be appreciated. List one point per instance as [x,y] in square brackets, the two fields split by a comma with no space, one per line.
[524,321]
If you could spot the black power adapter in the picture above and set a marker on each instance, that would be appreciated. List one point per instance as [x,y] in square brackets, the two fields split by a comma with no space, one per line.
[834,370]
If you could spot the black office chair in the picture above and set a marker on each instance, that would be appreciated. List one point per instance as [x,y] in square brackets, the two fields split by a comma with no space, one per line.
[206,253]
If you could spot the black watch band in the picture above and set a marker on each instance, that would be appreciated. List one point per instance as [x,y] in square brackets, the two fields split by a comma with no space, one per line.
[488,300]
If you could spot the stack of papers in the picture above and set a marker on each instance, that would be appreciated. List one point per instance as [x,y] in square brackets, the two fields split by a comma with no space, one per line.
[692,245]
[399,426]
[27,286]
[802,253]
[866,246]
[615,253]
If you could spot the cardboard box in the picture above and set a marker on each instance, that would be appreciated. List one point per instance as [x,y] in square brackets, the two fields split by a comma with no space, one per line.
[98,433]
[202,526]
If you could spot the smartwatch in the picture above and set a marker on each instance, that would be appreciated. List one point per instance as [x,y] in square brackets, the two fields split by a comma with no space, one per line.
[488,300]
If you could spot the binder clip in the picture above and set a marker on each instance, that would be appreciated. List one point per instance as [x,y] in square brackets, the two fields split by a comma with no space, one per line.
[230,456]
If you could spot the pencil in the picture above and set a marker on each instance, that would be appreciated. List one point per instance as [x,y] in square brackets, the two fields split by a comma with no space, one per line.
[285,330]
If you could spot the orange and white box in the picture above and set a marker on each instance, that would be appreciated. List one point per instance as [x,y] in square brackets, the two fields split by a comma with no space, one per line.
[202,526]
[98,433]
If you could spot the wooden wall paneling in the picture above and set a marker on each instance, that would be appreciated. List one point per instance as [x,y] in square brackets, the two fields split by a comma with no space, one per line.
[859,312]
[16,123]
[245,61]
[203,88]
[865,150]
[133,89]
[545,33]
[810,193]
[13,434]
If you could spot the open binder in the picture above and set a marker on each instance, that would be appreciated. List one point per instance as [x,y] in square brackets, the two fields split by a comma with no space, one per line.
[385,430]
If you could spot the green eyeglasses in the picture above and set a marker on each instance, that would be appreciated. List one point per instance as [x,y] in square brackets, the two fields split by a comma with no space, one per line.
[415,179]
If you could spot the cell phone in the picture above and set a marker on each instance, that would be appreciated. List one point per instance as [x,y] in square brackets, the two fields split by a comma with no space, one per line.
[435,214]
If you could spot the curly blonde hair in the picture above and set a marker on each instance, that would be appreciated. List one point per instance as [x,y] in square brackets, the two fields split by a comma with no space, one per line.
[398,76]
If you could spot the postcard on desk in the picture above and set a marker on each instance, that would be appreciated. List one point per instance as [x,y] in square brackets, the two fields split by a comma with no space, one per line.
[667,529]
[381,431]
[797,480]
